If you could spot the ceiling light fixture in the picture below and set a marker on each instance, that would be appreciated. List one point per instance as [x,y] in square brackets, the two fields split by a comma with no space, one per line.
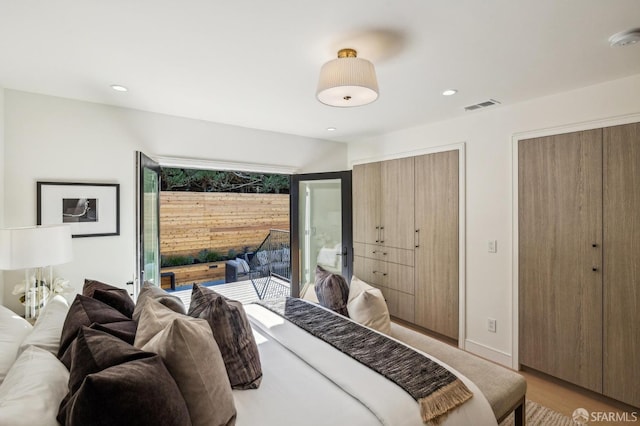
[119,88]
[331,129]
[347,81]
[449,92]
[625,38]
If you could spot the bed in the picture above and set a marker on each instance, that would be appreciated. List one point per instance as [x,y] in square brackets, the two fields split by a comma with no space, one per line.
[308,382]
[305,380]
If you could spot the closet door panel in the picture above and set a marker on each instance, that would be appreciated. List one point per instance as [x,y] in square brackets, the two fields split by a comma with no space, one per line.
[366,203]
[560,270]
[397,204]
[436,265]
[621,210]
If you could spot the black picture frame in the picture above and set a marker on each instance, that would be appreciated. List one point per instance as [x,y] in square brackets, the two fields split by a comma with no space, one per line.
[91,209]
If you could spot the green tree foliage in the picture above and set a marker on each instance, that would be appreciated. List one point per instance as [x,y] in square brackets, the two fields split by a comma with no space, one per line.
[223,181]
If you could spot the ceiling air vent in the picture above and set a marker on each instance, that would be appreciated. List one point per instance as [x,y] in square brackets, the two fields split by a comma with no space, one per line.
[481,105]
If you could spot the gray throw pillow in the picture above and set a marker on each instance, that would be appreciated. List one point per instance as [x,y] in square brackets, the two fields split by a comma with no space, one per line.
[332,291]
[243,266]
[232,332]
[150,291]
[182,342]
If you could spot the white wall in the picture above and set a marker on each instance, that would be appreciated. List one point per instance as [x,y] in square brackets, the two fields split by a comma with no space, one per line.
[488,136]
[55,139]
[2,181]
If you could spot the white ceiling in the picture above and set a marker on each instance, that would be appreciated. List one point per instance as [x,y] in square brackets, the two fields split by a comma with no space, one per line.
[255,63]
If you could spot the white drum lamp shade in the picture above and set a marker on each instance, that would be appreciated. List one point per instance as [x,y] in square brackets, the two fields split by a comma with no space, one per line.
[347,81]
[35,246]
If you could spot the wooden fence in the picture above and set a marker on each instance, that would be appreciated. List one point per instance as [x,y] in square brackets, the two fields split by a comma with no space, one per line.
[193,221]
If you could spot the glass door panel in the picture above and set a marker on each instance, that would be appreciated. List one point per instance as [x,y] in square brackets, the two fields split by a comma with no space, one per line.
[148,222]
[320,227]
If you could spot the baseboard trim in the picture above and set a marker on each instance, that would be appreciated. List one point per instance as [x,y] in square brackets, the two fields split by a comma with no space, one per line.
[486,352]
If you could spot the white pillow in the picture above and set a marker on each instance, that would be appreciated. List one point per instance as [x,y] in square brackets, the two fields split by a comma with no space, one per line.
[33,389]
[48,327]
[13,330]
[366,306]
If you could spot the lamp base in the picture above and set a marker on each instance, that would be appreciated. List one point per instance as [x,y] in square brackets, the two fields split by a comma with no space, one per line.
[36,294]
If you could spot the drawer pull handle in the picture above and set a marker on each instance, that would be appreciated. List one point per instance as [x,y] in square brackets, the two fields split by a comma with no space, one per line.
[417,238]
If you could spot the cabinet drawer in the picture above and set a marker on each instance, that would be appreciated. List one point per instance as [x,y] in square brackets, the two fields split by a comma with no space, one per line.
[389,254]
[398,277]
[359,249]
[385,274]
[401,305]
[364,268]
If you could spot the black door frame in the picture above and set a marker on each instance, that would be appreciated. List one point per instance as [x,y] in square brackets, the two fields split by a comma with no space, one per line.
[144,162]
[347,224]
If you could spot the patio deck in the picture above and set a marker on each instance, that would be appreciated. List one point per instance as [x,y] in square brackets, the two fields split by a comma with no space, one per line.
[241,291]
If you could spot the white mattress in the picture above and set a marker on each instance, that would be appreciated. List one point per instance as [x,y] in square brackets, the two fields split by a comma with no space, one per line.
[308,382]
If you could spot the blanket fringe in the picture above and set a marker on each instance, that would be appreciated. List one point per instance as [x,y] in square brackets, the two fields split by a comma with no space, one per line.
[434,407]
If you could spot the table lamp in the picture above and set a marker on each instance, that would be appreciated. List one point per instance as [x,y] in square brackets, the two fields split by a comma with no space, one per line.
[36,247]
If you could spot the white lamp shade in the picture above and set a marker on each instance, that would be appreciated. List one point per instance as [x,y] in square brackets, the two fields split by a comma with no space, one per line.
[35,246]
[347,82]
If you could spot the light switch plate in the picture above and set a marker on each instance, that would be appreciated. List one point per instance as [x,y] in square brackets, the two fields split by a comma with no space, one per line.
[493,246]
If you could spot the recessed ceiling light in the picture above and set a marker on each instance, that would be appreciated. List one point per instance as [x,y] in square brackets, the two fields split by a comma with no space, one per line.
[119,88]
[331,129]
[449,92]
[625,38]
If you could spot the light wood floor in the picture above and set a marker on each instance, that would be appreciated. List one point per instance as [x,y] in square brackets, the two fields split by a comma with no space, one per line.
[565,398]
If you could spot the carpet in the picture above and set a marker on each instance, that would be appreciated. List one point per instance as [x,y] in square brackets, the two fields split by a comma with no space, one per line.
[537,415]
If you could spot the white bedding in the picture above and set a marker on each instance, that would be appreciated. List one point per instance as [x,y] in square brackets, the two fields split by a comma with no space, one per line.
[308,382]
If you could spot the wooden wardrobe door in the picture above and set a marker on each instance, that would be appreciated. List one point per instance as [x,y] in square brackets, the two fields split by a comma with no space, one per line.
[436,202]
[366,203]
[397,212]
[560,272]
[621,217]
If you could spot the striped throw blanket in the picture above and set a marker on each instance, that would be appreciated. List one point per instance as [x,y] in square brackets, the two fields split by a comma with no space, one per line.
[435,388]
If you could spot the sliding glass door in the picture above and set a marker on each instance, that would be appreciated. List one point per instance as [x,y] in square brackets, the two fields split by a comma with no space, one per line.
[147,222]
[321,226]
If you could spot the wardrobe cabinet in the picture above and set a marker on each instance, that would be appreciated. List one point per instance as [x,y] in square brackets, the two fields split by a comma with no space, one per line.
[383,203]
[366,203]
[621,267]
[436,244]
[579,251]
[405,216]
[383,231]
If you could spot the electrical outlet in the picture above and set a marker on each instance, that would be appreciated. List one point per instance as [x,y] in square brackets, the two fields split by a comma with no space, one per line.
[492,325]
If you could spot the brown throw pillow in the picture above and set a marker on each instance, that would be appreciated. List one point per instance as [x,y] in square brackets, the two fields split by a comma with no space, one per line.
[124,330]
[113,383]
[332,291]
[150,291]
[84,311]
[193,358]
[115,297]
[232,332]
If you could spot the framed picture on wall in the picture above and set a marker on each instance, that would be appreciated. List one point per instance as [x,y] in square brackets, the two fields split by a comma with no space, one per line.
[92,209]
